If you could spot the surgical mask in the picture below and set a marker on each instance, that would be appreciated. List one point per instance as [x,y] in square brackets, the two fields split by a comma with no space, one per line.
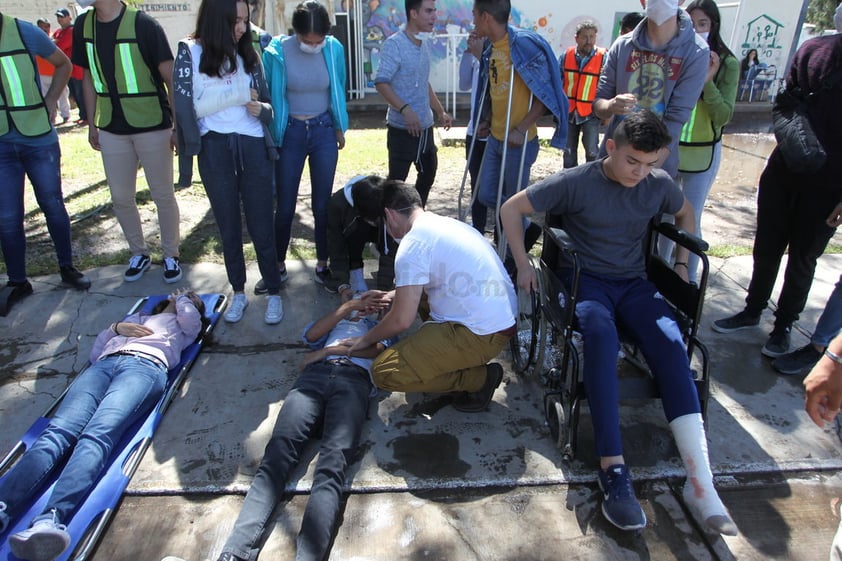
[311,49]
[837,18]
[660,11]
[85,3]
[704,35]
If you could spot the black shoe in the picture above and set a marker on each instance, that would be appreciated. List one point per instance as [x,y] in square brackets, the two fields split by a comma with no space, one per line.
[778,343]
[172,270]
[797,362]
[71,276]
[260,287]
[325,278]
[735,322]
[474,402]
[138,265]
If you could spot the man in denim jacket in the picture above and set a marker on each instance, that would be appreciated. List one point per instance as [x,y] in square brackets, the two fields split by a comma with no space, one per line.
[519,82]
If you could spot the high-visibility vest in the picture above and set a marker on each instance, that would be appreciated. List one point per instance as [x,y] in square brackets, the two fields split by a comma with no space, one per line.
[580,85]
[255,42]
[137,92]
[698,137]
[21,103]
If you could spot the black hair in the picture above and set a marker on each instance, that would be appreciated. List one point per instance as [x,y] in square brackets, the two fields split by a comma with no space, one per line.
[410,5]
[499,9]
[197,302]
[643,130]
[711,10]
[630,21]
[311,17]
[745,61]
[368,197]
[401,197]
[214,28]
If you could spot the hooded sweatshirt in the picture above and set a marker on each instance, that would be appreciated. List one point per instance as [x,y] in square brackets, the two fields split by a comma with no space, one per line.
[666,80]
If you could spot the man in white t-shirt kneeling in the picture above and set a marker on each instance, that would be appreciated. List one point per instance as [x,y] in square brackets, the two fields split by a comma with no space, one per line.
[449,271]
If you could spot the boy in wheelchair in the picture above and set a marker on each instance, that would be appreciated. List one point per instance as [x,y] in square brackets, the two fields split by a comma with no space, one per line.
[606,206]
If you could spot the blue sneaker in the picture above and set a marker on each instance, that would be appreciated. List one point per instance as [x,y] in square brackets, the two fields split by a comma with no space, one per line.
[619,504]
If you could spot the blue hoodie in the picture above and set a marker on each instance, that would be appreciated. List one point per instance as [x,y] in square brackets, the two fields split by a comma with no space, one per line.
[666,80]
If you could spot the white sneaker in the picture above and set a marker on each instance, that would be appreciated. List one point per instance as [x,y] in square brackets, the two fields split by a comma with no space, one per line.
[44,541]
[274,309]
[239,303]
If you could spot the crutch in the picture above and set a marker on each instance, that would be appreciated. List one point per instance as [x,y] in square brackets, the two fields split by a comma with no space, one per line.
[463,213]
[501,246]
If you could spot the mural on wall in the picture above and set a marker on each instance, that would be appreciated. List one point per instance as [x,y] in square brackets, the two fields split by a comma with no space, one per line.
[763,33]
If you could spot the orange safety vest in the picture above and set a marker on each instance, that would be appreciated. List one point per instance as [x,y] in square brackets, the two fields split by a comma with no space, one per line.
[580,85]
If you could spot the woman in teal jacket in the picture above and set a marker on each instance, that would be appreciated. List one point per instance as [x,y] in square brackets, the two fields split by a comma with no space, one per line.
[700,144]
[306,76]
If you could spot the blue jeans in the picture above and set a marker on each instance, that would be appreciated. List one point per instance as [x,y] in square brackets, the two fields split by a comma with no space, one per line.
[634,306]
[102,403]
[590,141]
[830,322]
[314,139]
[492,161]
[43,166]
[327,396]
[235,168]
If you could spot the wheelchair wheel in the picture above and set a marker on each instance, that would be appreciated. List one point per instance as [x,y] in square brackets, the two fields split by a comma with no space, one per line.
[556,419]
[525,343]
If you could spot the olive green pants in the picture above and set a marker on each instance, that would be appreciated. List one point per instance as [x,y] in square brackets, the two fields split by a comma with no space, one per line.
[438,358]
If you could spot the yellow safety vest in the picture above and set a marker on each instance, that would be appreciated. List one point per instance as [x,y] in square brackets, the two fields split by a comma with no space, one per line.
[698,137]
[21,103]
[137,92]
[255,41]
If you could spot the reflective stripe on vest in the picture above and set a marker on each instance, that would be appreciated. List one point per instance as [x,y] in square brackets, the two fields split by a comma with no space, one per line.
[137,92]
[255,41]
[21,103]
[698,137]
[580,85]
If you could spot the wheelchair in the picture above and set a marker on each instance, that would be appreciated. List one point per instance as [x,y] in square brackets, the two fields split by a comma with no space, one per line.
[548,347]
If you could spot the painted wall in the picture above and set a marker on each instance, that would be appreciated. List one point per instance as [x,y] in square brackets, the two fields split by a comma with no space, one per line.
[771,26]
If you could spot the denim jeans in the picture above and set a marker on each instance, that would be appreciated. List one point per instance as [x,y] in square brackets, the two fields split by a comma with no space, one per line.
[234,168]
[314,139]
[405,150]
[102,403]
[634,306]
[43,166]
[490,172]
[830,322]
[327,396]
[696,187]
[590,141]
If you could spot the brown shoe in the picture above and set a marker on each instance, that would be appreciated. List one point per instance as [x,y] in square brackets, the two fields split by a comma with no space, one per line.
[477,401]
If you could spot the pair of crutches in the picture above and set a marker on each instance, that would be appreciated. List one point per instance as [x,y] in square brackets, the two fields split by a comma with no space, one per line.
[501,244]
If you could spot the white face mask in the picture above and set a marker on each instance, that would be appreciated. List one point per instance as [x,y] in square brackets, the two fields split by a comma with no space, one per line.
[311,49]
[660,11]
[424,35]
[837,18]
[704,35]
[86,3]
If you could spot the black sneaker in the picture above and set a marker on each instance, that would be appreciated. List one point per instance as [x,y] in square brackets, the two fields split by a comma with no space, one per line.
[619,503]
[71,276]
[325,278]
[797,362]
[778,343]
[474,402]
[260,287]
[138,265]
[735,322]
[172,270]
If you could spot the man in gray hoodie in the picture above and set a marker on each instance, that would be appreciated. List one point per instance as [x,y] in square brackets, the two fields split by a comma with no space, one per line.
[660,66]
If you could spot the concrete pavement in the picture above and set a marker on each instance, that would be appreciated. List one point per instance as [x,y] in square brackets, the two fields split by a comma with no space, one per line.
[434,483]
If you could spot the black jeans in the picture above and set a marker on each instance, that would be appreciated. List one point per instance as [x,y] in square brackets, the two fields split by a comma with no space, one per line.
[327,396]
[791,211]
[405,149]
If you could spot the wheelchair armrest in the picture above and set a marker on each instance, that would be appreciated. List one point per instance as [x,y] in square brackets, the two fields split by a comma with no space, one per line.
[683,238]
[560,238]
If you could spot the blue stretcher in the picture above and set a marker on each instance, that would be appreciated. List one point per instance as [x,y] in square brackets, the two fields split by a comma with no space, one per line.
[92,517]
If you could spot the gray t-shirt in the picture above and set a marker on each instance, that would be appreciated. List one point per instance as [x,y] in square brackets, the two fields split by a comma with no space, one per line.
[406,67]
[308,83]
[606,221]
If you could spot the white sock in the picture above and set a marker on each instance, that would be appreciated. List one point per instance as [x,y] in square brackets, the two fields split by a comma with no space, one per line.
[358,280]
[699,492]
